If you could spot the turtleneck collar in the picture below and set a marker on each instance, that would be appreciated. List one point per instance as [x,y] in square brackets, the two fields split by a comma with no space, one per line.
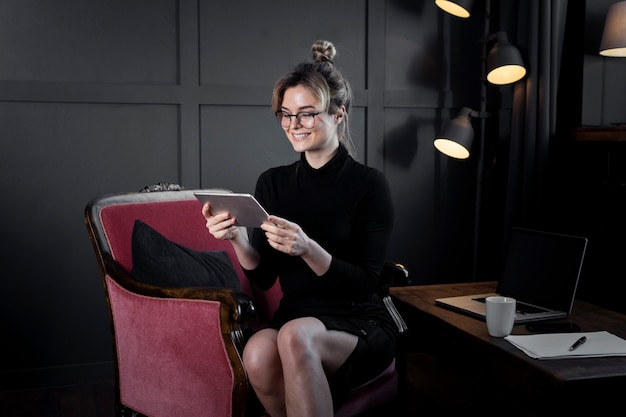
[336,161]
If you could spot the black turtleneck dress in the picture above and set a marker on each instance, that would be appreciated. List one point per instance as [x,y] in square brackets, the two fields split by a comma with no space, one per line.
[346,207]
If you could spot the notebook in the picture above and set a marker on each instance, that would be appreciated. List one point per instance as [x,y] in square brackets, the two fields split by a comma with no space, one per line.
[541,271]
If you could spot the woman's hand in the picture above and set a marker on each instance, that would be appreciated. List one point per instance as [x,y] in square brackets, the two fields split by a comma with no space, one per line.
[286,236]
[289,238]
[221,225]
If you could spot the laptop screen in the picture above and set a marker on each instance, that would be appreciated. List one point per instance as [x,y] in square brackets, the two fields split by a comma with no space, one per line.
[543,268]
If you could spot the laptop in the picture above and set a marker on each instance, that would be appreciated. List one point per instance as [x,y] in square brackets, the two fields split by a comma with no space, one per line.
[541,271]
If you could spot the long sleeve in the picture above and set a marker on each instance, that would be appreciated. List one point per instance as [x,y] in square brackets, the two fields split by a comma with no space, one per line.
[357,270]
[344,206]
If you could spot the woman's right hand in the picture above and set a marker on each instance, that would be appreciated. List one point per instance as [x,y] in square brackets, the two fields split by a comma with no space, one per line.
[221,225]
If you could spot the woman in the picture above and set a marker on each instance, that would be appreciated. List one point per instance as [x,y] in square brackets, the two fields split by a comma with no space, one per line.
[327,241]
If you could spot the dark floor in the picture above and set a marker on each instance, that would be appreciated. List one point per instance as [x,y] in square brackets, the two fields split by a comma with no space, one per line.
[430,390]
[94,400]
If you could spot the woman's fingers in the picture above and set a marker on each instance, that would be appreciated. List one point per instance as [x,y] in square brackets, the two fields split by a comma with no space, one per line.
[220,225]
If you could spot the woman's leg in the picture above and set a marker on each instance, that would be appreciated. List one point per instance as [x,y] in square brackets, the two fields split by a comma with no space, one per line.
[308,354]
[262,363]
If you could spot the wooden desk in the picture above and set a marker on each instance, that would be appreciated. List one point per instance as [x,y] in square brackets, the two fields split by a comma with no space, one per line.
[462,343]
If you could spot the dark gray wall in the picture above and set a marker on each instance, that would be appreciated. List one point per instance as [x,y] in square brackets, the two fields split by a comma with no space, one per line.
[101,97]
[109,96]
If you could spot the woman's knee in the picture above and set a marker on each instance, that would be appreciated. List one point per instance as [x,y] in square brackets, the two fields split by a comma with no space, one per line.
[260,357]
[296,340]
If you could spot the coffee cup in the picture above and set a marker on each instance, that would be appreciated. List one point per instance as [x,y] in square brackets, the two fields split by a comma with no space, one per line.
[500,315]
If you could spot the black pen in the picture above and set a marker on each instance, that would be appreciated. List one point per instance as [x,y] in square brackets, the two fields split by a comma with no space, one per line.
[578,343]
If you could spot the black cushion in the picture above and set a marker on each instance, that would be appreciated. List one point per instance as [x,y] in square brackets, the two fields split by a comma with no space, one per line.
[159,261]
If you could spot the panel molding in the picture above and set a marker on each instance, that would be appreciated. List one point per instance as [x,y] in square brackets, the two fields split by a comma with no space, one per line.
[375,114]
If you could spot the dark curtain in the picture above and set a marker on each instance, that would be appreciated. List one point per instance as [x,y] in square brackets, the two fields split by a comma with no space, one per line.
[545,105]
[541,36]
[552,182]
[522,188]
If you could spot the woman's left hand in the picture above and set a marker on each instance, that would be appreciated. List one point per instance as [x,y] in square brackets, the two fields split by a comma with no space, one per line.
[286,236]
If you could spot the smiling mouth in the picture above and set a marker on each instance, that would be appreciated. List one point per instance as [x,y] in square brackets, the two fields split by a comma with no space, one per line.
[300,136]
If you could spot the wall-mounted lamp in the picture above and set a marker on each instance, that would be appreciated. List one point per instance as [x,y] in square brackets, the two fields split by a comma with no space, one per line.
[503,65]
[504,62]
[457,135]
[613,42]
[458,8]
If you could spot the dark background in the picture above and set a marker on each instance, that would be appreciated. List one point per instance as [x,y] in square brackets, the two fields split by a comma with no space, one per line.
[100,97]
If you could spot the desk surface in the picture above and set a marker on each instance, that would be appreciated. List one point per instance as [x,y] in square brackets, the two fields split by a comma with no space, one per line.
[421,298]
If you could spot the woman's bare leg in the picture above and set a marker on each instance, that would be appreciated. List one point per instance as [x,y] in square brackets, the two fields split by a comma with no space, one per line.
[288,369]
[308,353]
[262,363]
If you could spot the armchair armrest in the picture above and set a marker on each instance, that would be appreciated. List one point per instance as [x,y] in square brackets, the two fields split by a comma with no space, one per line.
[394,274]
[240,310]
[227,312]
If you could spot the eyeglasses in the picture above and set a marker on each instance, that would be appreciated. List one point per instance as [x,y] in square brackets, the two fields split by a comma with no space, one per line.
[306,119]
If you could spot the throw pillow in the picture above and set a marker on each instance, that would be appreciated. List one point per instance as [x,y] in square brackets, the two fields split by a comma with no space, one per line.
[159,261]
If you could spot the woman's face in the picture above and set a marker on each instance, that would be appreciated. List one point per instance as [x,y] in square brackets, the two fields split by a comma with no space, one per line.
[322,136]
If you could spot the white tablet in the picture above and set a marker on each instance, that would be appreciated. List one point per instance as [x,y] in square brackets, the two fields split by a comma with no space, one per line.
[243,207]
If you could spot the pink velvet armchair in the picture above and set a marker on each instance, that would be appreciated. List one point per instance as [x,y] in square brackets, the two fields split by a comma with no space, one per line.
[177,350]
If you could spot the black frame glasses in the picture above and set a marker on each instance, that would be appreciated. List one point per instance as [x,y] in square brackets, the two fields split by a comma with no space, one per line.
[304,118]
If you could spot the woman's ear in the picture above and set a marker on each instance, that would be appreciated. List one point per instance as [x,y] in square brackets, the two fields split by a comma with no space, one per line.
[340,115]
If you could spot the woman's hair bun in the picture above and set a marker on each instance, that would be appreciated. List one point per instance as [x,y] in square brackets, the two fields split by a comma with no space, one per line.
[323,51]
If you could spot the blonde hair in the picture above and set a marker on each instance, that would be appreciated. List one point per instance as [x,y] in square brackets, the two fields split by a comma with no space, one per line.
[326,83]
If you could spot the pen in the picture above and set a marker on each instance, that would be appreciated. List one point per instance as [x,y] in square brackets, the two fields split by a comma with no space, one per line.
[577,344]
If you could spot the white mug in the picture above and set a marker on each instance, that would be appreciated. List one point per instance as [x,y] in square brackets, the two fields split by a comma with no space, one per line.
[500,315]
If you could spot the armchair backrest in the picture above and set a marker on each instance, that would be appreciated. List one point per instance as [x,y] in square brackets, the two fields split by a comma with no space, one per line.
[177,216]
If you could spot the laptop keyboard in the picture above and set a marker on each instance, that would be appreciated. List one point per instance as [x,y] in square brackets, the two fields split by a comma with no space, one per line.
[520,308]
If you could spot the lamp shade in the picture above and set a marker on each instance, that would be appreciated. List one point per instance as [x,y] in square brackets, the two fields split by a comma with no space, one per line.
[504,62]
[456,136]
[613,42]
[458,8]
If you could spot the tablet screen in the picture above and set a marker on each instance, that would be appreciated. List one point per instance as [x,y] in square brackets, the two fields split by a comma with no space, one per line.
[243,207]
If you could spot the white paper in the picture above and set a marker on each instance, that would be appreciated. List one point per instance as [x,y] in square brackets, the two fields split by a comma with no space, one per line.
[556,345]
